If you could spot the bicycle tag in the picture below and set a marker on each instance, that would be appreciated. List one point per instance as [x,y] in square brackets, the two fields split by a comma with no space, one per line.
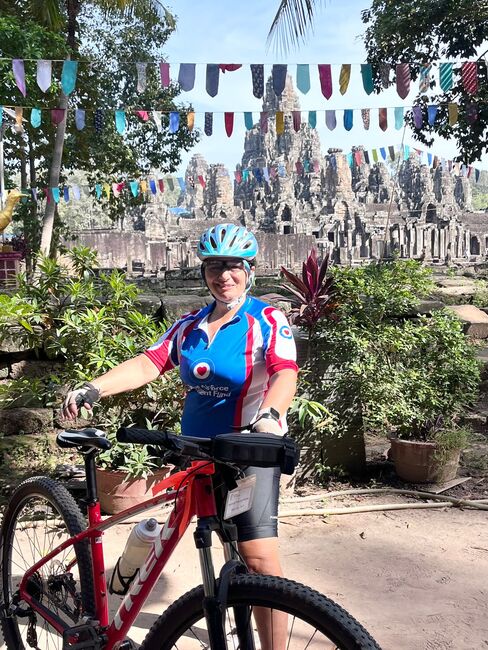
[240,499]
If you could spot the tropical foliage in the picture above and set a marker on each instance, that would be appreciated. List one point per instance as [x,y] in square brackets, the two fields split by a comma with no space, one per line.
[89,322]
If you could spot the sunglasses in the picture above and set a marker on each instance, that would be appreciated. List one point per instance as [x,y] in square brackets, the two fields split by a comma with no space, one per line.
[219,266]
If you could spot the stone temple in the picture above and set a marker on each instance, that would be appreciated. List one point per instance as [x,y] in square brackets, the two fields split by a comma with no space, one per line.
[357,213]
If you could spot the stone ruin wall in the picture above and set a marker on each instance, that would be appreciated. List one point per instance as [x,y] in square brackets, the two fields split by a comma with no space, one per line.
[357,213]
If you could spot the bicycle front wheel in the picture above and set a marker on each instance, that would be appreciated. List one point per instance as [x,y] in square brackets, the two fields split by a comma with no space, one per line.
[312,621]
[41,515]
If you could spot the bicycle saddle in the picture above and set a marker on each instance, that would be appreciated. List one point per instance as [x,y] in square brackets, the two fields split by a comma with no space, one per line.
[89,437]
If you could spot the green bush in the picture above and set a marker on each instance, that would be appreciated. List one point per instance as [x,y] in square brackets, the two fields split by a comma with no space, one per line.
[92,323]
[380,366]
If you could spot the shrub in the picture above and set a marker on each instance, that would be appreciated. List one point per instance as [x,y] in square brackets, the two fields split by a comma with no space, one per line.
[92,322]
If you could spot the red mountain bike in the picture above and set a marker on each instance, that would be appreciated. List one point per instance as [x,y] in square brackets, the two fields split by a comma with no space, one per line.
[53,584]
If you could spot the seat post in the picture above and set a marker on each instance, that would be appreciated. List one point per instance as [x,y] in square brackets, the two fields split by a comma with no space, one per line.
[91,481]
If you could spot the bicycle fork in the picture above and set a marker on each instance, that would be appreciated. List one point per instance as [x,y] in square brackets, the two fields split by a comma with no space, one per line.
[216,591]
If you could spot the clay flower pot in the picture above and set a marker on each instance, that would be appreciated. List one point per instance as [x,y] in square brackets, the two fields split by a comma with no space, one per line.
[416,462]
[116,494]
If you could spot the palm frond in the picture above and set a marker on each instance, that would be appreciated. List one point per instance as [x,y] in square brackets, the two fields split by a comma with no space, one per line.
[292,24]
[48,13]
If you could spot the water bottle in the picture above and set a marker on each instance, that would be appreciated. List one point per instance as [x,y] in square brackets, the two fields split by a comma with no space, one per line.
[135,552]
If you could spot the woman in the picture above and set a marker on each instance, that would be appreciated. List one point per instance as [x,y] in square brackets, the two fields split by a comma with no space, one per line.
[237,358]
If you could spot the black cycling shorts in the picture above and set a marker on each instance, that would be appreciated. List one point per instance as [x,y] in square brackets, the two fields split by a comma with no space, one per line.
[261,520]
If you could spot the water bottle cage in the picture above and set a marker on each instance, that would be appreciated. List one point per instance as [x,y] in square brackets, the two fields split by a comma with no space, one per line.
[125,581]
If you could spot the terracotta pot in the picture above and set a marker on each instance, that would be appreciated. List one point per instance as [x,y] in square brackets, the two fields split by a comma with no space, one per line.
[117,494]
[415,462]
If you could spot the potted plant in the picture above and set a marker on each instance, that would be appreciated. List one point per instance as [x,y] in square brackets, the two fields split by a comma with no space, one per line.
[430,454]
[126,474]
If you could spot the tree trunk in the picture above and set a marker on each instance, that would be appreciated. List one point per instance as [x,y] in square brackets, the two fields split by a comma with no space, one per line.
[48,221]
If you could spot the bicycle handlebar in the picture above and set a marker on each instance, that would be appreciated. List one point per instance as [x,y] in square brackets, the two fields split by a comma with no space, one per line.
[260,450]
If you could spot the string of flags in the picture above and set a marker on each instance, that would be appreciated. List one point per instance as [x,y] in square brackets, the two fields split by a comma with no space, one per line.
[145,187]
[172,121]
[468,72]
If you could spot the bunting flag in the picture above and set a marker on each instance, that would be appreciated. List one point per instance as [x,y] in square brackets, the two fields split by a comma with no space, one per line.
[399,119]
[35,118]
[365,115]
[68,76]
[469,77]
[257,73]
[19,116]
[403,79]
[325,76]
[312,119]
[418,118]
[445,76]
[383,118]
[278,75]
[424,78]
[44,74]
[229,123]
[367,75]
[120,122]
[164,74]
[453,112]
[263,122]
[303,78]
[80,119]
[19,75]
[472,113]
[431,114]
[157,118]
[174,121]
[280,122]
[57,115]
[344,77]
[208,128]
[348,119]
[212,82]
[141,77]
[248,121]
[297,120]
[190,120]
[98,120]
[330,120]
[186,76]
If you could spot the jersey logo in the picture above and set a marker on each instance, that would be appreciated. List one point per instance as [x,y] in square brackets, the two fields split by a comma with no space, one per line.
[201,370]
[285,332]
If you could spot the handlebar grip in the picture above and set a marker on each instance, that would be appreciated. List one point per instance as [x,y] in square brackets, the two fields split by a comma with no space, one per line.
[146,436]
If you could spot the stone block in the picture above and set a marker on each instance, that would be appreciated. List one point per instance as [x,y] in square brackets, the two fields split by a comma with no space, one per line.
[475,321]
[25,421]
[33,368]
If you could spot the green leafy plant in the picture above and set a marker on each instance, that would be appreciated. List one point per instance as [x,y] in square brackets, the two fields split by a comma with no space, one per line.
[380,367]
[90,322]
[312,294]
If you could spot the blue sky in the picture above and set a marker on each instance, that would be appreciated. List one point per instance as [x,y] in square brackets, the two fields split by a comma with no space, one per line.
[217,31]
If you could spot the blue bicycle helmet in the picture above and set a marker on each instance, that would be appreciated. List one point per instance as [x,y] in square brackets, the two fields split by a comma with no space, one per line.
[227,240]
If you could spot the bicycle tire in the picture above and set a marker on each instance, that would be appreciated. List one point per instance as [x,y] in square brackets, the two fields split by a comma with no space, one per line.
[23,517]
[306,605]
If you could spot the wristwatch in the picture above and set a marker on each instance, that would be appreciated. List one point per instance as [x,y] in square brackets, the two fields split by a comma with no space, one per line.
[268,413]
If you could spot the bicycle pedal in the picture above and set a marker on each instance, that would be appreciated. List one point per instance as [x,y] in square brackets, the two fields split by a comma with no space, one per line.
[82,637]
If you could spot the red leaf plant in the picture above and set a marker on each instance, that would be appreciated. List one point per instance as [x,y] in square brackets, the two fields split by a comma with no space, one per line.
[312,294]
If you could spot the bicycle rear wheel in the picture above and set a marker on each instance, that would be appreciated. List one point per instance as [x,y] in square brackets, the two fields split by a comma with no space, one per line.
[41,515]
[314,621]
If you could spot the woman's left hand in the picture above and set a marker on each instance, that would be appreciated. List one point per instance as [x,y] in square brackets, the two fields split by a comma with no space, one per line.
[267,425]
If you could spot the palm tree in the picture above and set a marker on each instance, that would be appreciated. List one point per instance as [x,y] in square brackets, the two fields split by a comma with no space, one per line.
[62,15]
[292,24]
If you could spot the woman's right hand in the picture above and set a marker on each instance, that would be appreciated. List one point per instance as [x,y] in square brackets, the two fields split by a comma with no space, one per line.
[85,396]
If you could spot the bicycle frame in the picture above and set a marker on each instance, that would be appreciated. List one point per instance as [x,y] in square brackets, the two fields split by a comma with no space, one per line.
[192,492]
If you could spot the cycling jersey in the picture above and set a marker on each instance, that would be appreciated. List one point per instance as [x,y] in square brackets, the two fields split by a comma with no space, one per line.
[226,378]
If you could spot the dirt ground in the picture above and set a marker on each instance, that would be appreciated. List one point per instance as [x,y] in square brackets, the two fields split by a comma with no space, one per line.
[416,579]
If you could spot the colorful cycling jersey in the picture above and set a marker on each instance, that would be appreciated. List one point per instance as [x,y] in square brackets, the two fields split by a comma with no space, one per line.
[227,377]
